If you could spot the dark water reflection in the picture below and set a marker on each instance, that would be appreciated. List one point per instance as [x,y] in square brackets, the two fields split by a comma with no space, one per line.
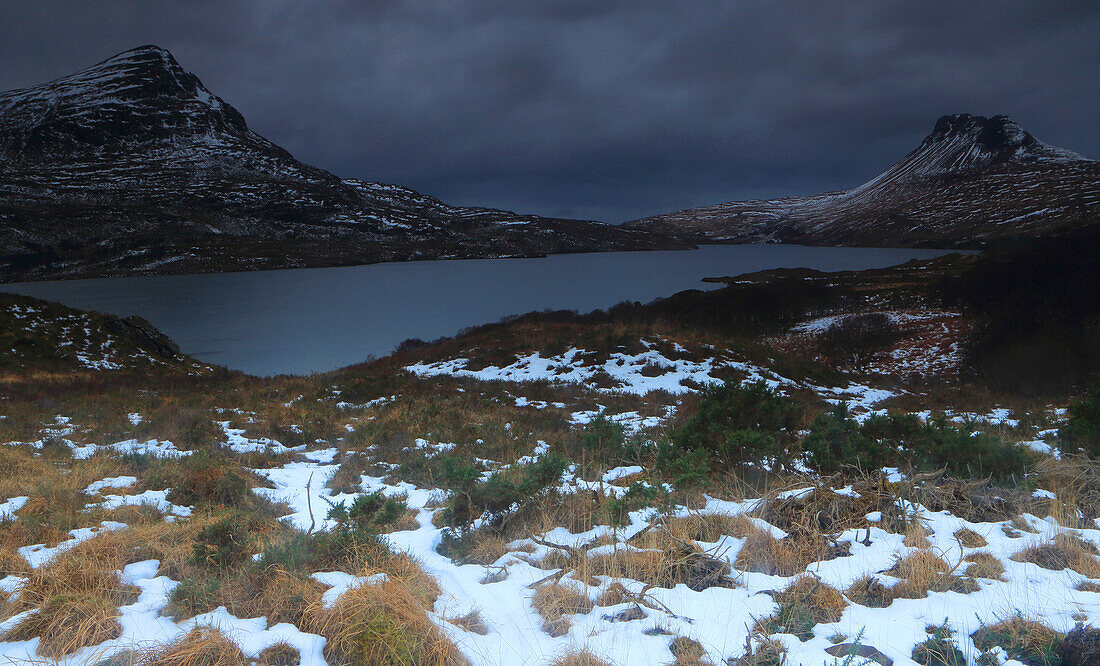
[318,319]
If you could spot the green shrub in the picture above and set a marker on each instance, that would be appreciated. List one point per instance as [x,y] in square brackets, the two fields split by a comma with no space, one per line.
[741,424]
[495,497]
[601,434]
[971,454]
[322,550]
[896,431]
[370,513]
[1083,428]
[203,479]
[835,442]
[637,496]
[749,446]
[192,597]
[939,444]
[222,544]
[686,467]
[939,650]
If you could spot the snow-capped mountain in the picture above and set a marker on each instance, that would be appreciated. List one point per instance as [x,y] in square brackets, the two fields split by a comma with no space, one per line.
[133,166]
[972,180]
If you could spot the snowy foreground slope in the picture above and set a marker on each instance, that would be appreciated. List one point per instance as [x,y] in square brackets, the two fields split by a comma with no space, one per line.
[610,614]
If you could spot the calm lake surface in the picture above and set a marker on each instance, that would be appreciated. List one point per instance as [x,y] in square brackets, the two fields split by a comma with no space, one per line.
[318,319]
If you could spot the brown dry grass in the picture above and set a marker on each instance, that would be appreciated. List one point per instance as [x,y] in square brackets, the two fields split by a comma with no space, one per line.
[869,591]
[688,652]
[984,565]
[77,597]
[709,527]
[824,602]
[383,623]
[1075,482]
[760,650]
[763,553]
[553,601]
[675,563]
[201,647]
[279,654]
[922,572]
[1022,638]
[579,658]
[916,536]
[487,548]
[1022,525]
[806,602]
[472,622]
[1065,551]
[969,538]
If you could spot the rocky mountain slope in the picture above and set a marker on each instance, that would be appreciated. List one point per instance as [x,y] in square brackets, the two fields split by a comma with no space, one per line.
[972,180]
[133,167]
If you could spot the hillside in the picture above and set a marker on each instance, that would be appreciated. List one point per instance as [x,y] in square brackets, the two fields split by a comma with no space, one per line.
[666,483]
[971,181]
[133,167]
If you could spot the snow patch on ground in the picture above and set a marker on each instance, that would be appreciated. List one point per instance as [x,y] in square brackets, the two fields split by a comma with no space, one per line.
[40,554]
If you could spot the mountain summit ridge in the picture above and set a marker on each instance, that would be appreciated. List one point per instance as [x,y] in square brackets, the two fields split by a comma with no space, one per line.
[971,180]
[139,96]
[132,166]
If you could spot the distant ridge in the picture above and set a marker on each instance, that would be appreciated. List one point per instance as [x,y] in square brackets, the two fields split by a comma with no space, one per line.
[132,166]
[970,181]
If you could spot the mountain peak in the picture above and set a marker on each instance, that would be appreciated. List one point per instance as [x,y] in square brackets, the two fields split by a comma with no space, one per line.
[140,97]
[998,133]
[969,141]
[149,60]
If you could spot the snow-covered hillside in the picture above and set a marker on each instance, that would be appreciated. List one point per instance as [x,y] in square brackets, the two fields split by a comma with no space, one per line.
[132,165]
[973,179]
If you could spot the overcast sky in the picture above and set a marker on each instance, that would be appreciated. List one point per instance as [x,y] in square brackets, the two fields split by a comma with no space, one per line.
[603,110]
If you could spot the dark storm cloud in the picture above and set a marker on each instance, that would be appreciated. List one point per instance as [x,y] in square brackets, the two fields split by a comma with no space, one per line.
[611,110]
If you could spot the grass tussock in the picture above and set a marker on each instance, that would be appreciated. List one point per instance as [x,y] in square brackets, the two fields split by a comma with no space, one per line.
[940,649]
[1080,647]
[869,591]
[763,553]
[916,536]
[76,597]
[1065,551]
[1023,639]
[383,623]
[984,565]
[203,646]
[1075,482]
[579,658]
[969,538]
[805,603]
[472,622]
[709,527]
[760,650]
[688,652]
[554,601]
[673,563]
[921,572]
[924,571]
[279,654]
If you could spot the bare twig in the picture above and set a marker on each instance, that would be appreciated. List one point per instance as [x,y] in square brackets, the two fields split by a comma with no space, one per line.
[309,505]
